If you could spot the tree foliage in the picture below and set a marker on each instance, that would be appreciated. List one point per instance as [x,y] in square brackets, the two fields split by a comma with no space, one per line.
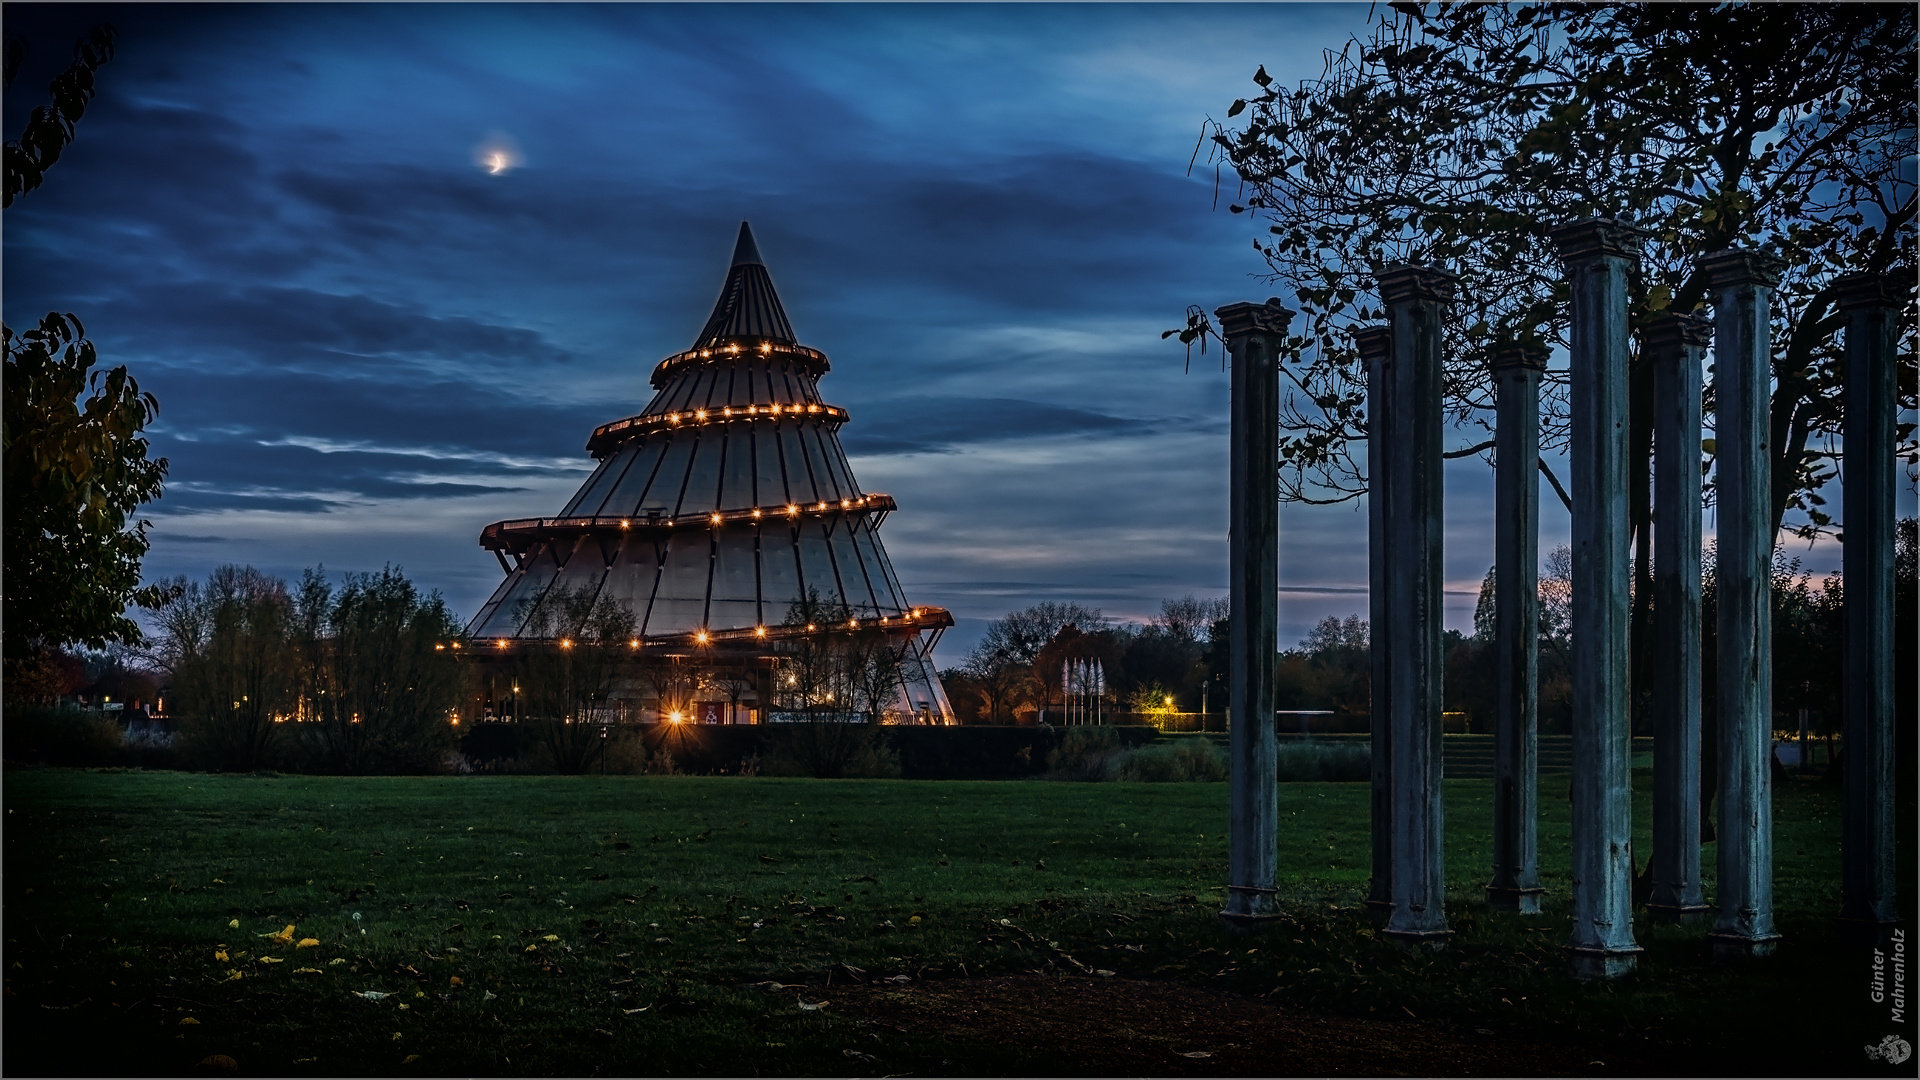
[74,471]
[386,681]
[570,680]
[50,128]
[360,679]
[228,645]
[1458,135]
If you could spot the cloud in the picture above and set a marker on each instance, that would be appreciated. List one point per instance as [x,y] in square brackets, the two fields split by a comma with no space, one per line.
[936,424]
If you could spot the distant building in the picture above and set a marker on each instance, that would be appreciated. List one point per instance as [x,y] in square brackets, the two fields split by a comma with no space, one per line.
[713,510]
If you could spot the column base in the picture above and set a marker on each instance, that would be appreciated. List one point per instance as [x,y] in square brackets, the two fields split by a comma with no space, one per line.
[1249,905]
[1379,913]
[1591,965]
[1419,940]
[1684,914]
[1238,922]
[1740,947]
[1520,901]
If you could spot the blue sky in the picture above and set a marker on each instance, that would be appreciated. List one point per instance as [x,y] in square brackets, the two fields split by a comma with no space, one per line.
[367,344]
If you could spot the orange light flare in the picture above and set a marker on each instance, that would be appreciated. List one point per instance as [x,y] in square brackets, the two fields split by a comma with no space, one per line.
[715,519]
[701,637]
[759,631]
[674,716]
[792,510]
[566,643]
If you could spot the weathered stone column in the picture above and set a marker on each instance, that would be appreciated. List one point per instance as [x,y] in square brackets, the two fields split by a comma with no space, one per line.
[1676,345]
[1376,350]
[1742,283]
[1417,299]
[1871,304]
[1516,633]
[1599,255]
[1254,335]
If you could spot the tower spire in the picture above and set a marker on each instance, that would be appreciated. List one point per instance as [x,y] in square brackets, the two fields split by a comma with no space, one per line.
[748,307]
[744,249]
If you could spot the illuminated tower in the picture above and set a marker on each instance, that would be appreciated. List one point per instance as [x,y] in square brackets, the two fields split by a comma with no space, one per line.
[726,499]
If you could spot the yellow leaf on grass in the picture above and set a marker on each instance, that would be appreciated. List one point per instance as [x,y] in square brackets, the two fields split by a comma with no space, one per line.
[283,937]
[307,943]
[271,960]
[410,1059]
[234,924]
[308,971]
[336,960]
[188,1020]
[551,937]
[396,1036]
[531,948]
[220,954]
[232,975]
[454,981]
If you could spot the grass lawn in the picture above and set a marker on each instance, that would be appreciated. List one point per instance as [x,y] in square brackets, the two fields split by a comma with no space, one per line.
[679,925]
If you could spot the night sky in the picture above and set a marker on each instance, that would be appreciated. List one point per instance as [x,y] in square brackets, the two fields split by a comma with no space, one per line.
[369,340]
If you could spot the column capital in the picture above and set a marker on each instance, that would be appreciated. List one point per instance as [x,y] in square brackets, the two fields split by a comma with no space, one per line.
[1671,330]
[1737,266]
[1597,237]
[1403,282]
[1243,319]
[1515,356]
[1870,291]
[1374,342]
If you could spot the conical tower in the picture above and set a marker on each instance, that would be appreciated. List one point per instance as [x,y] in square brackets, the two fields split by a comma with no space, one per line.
[725,500]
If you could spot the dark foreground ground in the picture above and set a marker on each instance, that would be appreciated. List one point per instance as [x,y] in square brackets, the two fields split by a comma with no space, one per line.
[686,925]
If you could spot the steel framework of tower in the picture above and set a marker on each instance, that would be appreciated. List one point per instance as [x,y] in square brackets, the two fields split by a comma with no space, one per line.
[719,505]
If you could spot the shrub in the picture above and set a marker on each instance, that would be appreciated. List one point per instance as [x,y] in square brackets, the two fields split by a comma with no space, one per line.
[1187,760]
[1324,762]
[51,735]
[1085,753]
[828,750]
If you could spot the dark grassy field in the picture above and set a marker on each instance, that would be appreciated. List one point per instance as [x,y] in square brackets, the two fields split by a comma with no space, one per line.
[547,925]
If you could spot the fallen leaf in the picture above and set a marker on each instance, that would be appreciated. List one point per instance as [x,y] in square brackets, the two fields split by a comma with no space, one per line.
[188,1020]
[410,1059]
[308,971]
[816,1007]
[219,1061]
[454,980]
[307,943]
[219,954]
[336,961]
[231,976]
[531,948]
[1102,971]
[551,937]
[396,1036]
[490,996]
[1196,1054]
[641,1009]
[234,924]
[372,995]
[857,1055]
[271,960]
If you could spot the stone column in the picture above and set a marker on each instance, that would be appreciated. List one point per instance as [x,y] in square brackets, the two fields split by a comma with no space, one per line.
[1376,350]
[1872,305]
[1254,335]
[1599,255]
[1417,299]
[1516,634]
[1742,284]
[1676,346]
